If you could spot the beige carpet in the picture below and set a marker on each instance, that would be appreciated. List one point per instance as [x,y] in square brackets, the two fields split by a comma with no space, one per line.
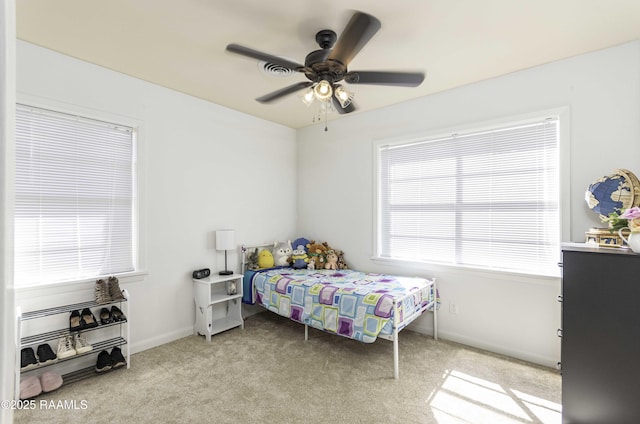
[267,373]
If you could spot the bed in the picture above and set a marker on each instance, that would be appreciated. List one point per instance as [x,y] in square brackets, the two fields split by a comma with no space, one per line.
[354,304]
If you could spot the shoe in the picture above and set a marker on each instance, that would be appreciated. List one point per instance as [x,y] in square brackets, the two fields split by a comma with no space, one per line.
[88,320]
[80,343]
[114,290]
[105,316]
[75,321]
[50,381]
[65,347]
[117,314]
[30,387]
[27,359]
[104,362]
[46,355]
[102,292]
[117,359]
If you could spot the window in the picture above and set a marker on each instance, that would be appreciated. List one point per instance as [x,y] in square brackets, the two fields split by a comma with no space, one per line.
[74,197]
[484,199]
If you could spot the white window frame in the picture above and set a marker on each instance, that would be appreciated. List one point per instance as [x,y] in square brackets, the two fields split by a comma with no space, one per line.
[563,116]
[139,232]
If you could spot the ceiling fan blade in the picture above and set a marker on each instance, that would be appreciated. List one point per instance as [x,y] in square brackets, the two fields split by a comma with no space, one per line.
[267,98]
[338,107]
[356,34]
[403,79]
[246,51]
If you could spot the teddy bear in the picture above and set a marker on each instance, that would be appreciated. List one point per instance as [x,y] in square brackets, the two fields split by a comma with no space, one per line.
[312,263]
[282,253]
[317,251]
[341,262]
[332,260]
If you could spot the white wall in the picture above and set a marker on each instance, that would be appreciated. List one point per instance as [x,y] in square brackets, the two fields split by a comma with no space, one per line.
[193,147]
[204,168]
[7,125]
[506,313]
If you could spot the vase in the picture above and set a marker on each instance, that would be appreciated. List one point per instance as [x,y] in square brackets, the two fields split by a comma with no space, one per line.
[633,241]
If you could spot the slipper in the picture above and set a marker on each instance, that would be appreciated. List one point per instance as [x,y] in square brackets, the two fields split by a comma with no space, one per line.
[50,381]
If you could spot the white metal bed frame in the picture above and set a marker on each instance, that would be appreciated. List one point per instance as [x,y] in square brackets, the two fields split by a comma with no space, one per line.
[397,326]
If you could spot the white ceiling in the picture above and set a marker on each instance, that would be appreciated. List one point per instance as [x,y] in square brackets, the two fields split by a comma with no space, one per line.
[180,44]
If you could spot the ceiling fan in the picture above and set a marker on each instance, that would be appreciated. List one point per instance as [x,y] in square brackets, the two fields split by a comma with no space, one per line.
[326,67]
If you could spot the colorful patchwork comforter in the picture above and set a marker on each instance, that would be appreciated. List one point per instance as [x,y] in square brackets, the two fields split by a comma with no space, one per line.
[349,303]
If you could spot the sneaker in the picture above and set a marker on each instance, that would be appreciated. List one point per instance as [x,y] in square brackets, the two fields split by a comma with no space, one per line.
[65,347]
[102,292]
[104,362]
[46,355]
[80,344]
[117,358]
[114,289]
[50,381]
[30,387]
[27,359]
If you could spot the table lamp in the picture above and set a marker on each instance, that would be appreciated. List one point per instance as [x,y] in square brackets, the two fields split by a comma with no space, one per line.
[225,240]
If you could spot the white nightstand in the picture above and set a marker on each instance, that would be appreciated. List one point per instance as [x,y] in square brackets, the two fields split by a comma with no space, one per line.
[216,309]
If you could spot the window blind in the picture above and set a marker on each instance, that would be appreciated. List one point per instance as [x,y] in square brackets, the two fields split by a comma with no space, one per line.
[483,199]
[74,197]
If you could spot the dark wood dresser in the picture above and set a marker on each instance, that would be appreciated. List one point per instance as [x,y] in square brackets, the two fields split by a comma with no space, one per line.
[600,335]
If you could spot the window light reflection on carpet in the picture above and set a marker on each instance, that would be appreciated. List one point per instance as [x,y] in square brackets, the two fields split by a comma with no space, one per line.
[463,398]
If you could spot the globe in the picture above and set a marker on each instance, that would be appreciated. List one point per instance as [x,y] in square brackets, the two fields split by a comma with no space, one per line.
[611,193]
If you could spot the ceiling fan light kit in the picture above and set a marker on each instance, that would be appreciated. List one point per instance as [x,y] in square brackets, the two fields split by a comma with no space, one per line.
[326,67]
[323,91]
[344,96]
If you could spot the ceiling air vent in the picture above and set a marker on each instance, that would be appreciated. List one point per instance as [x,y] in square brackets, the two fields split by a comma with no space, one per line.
[274,69]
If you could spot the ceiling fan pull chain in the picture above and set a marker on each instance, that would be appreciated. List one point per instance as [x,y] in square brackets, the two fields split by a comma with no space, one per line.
[325,120]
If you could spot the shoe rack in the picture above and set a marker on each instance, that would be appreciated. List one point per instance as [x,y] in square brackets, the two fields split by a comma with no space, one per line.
[105,344]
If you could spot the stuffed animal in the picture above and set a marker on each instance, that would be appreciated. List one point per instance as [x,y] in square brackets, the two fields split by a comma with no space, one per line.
[282,253]
[300,257]
[341,262]
[265,259]
[300,241]
[332,260]
[317,252]
[312,263]
[252,259]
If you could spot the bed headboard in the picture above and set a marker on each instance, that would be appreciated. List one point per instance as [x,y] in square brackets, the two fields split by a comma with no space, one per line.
[247,249]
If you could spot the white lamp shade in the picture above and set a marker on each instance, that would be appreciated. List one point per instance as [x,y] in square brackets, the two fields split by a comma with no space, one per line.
[225,239]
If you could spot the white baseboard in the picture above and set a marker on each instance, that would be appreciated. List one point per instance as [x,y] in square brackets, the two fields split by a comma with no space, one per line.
[546,361]
[140,345]
[248,310]
[149,343]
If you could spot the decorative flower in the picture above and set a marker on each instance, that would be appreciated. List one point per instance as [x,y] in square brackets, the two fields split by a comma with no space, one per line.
[615,222]
[632,215]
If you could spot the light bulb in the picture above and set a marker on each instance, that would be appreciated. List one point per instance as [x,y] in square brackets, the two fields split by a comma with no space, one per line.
[344,97]
[323,91]
[307,97]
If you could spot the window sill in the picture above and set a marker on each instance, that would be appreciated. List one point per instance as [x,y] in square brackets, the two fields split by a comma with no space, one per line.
[444,267]
[63,286]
